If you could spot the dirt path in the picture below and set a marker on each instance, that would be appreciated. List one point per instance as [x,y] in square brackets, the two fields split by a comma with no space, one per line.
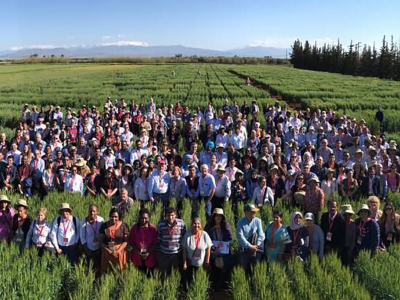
[266,87]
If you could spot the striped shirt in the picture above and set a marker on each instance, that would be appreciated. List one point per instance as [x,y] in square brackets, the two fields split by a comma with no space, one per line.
[169,237]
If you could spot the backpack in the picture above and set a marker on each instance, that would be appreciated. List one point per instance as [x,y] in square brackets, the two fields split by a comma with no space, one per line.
[76,228]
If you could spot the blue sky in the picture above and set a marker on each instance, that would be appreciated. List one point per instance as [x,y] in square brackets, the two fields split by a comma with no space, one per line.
[212,24]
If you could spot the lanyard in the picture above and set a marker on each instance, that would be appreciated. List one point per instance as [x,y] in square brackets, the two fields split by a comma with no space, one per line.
[197,240]
[273,231]
[66,227]
[361,227]
[171,231]
[94,228]
[112,231]
[39,230]
[295,235]
[20,222]
[330,221]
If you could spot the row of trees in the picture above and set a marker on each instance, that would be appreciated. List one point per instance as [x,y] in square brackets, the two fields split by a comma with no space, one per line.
[382,63]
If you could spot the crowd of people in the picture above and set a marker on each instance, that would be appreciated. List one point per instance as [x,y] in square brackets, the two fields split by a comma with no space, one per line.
[141,152]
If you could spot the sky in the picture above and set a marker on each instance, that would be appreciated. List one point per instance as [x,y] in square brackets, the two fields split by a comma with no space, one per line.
[210,24]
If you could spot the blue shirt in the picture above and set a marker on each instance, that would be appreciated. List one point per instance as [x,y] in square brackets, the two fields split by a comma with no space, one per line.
[245,231]
[206,184]
[158,183]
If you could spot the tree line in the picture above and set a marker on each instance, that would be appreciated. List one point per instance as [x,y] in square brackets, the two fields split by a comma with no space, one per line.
[371,62]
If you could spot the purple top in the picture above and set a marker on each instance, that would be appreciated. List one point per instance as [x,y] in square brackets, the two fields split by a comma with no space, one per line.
[6,219]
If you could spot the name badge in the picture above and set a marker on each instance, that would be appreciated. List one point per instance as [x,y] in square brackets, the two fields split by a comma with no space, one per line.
[202,192]
[95,241]
[65,240]
[359,240]
[196,254]
[329,236]
[171,245]
[111,246]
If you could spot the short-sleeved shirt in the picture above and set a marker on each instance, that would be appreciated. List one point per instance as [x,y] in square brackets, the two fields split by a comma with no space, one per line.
[121,233]
[196,251]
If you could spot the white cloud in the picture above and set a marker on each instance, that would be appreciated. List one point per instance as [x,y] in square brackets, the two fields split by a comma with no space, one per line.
[127,43]
[106,37]
[120,36]
[287,42]
[16,48]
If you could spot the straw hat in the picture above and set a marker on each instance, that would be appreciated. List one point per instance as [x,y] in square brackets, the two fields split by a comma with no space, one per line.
[314,178]
[221,168]
[21,202]
[299,197]
[273,167]
[80,162]
[218,211]
[347,209]
[363,207]
[4,198]
[65,206]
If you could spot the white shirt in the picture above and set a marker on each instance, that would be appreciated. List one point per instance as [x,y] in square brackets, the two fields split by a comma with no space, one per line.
[231,173]
[74,184]
[66,234]
[223,187]
[158,183]
[222,159]
[89,233]
[38,234]
[141,189]
[238,141]
[258,196]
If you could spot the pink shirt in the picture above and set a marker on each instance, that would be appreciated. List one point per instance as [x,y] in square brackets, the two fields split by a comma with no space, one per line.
[143,238]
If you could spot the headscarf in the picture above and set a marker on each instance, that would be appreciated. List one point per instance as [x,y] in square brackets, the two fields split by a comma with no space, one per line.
[293,225]
[211,144]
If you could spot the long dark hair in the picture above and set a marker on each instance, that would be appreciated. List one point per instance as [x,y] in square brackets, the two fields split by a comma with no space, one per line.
[382,220]
[211,222]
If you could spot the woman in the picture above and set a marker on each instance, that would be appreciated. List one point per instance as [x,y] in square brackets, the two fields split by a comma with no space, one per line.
[349,186]
[6,218]
[114,239]
[38,232]
[393,179]
[329,184]
[290,181]
[389,225]
[221,235]
[92,181]
[316,235]
[373,204]
[263,193]
[294,163]
[298,190]
[109,184]
[49,177]
[143,240]
[350,239]
[276,237]
[196,245]
[119,163]
[21,224]
[367,235]
[141,186]
[126,180]
[26,150]
[299,238]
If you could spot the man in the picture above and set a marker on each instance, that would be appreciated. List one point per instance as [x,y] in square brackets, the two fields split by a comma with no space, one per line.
[74,182]
[65,232]
[314,200]
[222,157]
[89,234]
[207,188]
[158,184]
[233,154]
[222,189]
[98,161]
[250,235]
[324,150]
[231,170]
[82,148]
[205,156]
[170,232]
[125,153]
[334,227]
[238,140]
[371,184]
[37,165]
[24,177]
[192,184]
[14,152]
[123,203]
[8,174]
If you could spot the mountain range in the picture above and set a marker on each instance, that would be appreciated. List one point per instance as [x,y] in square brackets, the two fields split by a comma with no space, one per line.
[141,51]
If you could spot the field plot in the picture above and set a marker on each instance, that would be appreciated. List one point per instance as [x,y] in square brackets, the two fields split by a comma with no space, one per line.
[360,97]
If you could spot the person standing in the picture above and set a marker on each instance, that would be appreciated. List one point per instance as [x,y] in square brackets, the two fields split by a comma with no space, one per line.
[170,232]
[158,184]
[222,188]
[143,240]
[207,188]
[314,200]
[196,245]
[334,227]
[90,237]
[6,218]
[263,195]
[368,233]
[251,237]
[300,241]
[38,232]
[113,241]
[276,238]
[65,233]
[347,255]
[21,224]
[74,182]
[315,234]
